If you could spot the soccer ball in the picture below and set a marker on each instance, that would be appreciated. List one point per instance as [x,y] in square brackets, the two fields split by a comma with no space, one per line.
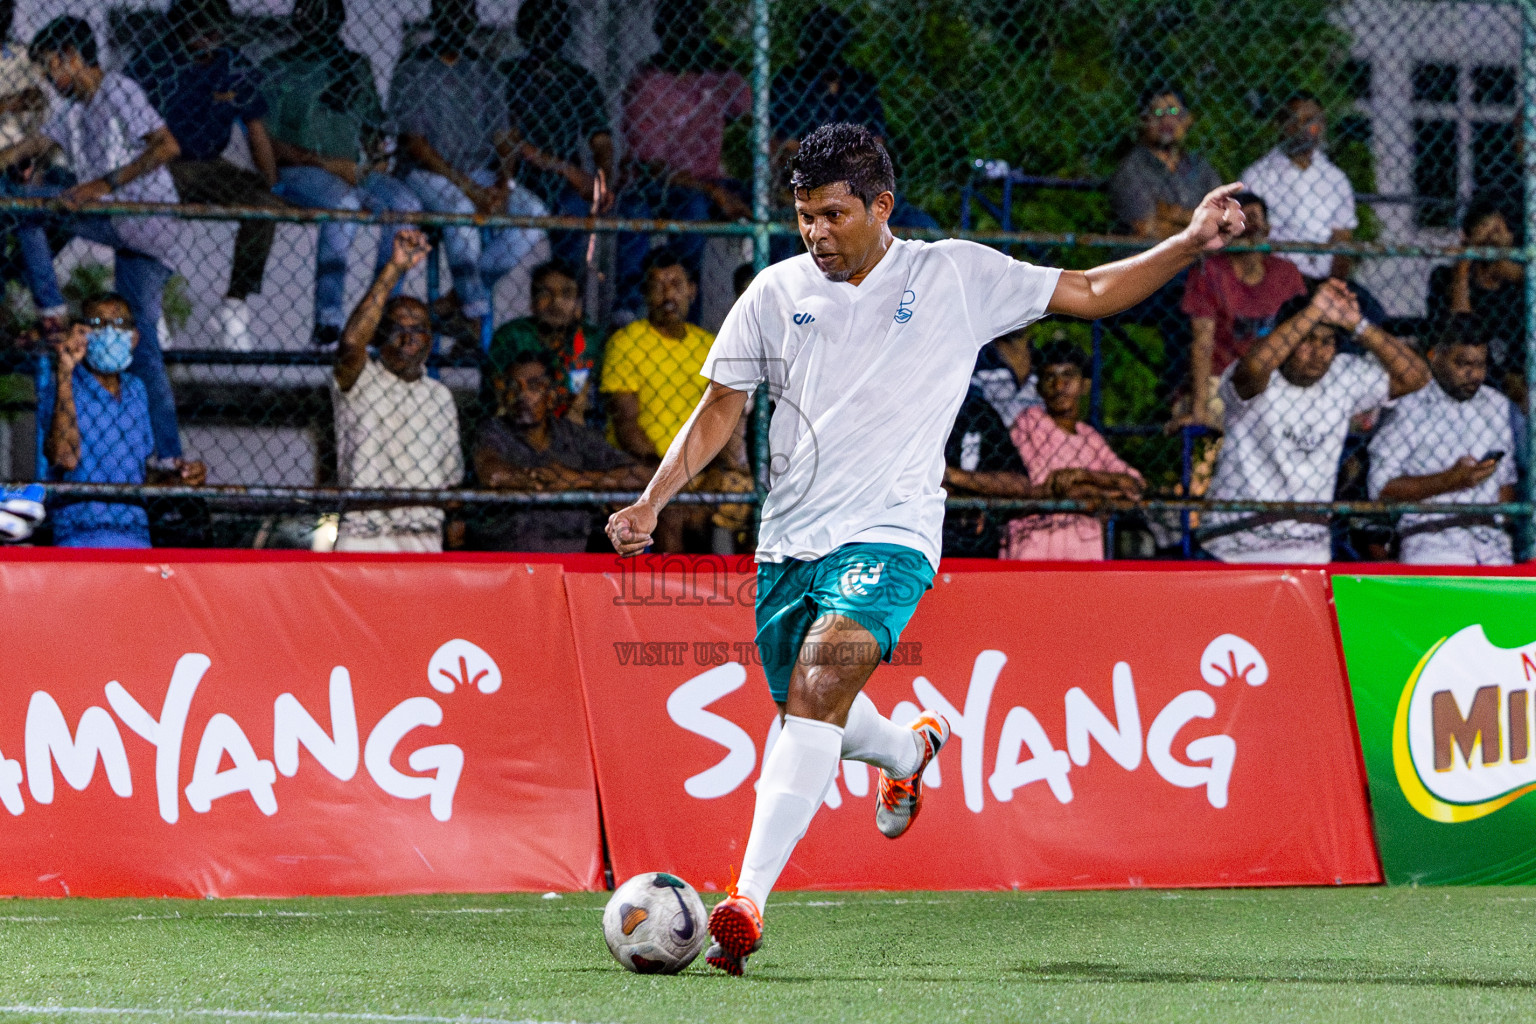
[655,924]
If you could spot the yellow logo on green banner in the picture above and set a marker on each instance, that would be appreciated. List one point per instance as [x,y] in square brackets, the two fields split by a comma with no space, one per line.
[1461,739]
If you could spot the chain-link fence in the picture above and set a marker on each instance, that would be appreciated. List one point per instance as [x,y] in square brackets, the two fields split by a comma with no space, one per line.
[404,276]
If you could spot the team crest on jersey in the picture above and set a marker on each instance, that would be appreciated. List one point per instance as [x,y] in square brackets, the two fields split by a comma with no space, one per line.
[904,308]
[801,319]
[855,581]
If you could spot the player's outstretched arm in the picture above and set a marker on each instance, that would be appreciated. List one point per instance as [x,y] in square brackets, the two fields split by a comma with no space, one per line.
[1116,287]
[707,431]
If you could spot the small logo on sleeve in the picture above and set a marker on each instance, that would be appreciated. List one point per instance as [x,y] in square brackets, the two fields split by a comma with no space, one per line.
[904,308]
[801,319]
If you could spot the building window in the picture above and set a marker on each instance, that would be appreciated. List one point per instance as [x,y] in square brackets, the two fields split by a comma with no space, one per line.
[1436,154]
[1494,86]
[1464,139]
[1356,75]
[1436,83]
[1495,159]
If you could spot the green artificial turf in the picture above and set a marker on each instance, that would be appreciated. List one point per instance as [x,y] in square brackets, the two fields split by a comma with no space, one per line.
[1256,955]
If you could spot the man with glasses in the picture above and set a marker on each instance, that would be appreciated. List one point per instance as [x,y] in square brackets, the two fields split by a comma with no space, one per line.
[1153,195]
[93,426]
[1159,183]
[396,427]
[1310,199]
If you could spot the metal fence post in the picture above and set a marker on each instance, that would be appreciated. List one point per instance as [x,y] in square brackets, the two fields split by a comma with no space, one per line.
[1528,131]
[761,214]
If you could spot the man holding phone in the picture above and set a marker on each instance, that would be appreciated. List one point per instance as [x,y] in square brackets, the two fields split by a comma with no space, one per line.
[1449,443]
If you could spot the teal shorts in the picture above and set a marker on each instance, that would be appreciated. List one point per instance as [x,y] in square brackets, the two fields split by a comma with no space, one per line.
[876,585]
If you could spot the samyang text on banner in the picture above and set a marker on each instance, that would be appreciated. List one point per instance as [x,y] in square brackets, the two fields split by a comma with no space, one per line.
[291,728]
[1111,729]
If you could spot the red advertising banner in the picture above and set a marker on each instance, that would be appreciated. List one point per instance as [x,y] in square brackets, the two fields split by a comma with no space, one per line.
[1111,729]
[209,728]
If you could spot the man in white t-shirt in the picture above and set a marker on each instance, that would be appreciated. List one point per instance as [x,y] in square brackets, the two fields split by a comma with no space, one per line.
[1310,199]
[117,147]
[396,428]
[867,345]
[1288,406]
[1451,442]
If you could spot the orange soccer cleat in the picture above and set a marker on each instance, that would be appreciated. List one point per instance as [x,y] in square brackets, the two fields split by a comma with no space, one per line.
[737,928]
[901,799]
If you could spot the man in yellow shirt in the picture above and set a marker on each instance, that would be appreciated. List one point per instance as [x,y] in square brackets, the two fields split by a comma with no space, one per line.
[651,377]
[651,369]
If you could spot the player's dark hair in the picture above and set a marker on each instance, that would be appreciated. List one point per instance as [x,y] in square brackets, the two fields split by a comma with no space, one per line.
[554,266]
[1456,330]
[63,33]
[660,259]
[1060,351]
[1251,199]
[1160,88]
[844,152]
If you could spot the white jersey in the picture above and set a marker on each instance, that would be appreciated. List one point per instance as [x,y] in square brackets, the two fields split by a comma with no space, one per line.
[867,381]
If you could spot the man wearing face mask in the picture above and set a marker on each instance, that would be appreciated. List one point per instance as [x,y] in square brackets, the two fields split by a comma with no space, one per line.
[1310,199]
[395,427]
[93,427]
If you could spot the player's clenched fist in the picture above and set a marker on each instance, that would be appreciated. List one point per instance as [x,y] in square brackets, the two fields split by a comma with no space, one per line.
[629,529]
[1218,219]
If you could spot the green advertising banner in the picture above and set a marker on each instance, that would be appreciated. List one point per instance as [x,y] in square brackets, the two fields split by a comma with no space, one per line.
[1442,670]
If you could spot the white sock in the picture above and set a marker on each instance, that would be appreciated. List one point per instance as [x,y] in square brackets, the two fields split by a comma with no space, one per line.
[874,739]
[794,782]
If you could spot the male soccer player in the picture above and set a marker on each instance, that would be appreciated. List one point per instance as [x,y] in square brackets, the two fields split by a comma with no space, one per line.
[866,344]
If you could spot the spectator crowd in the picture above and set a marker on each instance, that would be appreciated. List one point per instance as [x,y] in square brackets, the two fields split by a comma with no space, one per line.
[1281,372]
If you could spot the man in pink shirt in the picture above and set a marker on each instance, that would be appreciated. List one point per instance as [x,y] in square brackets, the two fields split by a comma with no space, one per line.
[675,110]
[1072,457]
